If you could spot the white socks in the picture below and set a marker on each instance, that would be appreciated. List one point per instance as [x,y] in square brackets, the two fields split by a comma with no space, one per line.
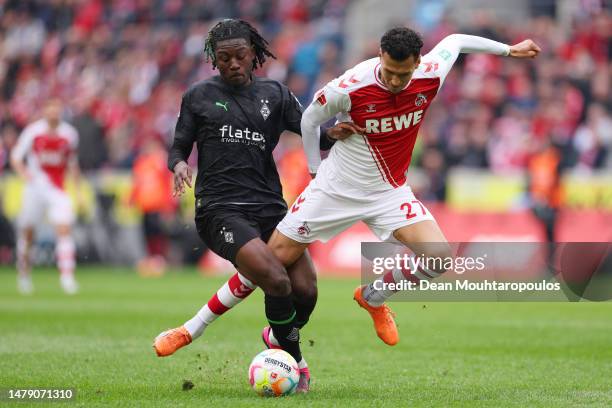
[376,297]
[65,254]
[234,291]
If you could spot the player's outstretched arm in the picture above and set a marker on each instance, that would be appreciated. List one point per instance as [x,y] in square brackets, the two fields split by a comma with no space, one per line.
[525,49]
[445,53]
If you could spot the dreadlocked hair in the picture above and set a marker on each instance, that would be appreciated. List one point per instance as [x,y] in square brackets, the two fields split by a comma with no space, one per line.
[235,28]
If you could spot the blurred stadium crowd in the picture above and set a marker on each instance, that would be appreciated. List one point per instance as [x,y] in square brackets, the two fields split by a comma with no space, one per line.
[122,65]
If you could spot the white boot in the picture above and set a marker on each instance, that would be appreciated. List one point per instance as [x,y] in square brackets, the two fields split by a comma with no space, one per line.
[69,284]
[24,284]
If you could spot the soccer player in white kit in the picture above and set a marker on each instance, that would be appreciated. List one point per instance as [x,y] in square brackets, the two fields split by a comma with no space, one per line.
[49,146]
[364,177]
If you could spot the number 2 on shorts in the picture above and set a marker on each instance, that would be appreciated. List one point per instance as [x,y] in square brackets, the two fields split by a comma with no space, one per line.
[408,208]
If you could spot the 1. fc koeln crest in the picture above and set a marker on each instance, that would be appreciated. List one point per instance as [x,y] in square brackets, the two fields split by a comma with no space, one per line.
[420,99]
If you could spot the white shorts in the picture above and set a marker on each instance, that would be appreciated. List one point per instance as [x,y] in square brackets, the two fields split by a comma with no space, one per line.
[330,205]
[40,199]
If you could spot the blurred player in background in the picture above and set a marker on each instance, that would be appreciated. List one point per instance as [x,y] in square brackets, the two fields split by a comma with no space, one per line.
[364,177]
[236,120]
[44,152]
[152,195]
[544,184]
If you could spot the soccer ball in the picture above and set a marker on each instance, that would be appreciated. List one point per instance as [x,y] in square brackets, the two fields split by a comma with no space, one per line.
[274,373]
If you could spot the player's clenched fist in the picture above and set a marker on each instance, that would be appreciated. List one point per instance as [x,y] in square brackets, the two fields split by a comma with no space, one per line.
[525,49]
[182,176]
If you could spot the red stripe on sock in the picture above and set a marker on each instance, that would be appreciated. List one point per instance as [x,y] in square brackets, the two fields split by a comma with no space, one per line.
[410,276]
[215,305]
[238,289]
[388,277]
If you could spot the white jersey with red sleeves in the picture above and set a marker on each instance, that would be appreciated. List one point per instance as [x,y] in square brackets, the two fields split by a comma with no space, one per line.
[48,151]
[379,159]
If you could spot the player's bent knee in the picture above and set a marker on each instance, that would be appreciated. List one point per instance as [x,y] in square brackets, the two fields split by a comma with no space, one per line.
[306,293]
[257,262]
[277,283]
[272,279]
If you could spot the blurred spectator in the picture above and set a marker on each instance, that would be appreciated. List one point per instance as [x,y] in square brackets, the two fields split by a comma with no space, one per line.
[24,36]
[544,185]
[152,195]
[92,151]
[124,65]
[7,235]
[291,163]
[593,138]
[435,170]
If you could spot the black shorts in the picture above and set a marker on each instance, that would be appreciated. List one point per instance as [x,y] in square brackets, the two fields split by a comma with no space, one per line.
[226,231]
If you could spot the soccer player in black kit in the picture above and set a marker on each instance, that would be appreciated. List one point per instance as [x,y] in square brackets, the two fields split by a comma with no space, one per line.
[236,119]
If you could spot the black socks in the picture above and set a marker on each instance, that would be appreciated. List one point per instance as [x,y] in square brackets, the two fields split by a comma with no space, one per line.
[281,315]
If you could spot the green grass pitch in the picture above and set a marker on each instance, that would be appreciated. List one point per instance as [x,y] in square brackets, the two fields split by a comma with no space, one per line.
[450,354]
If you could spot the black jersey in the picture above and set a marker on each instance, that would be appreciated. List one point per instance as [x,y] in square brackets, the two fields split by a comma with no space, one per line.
[236,130]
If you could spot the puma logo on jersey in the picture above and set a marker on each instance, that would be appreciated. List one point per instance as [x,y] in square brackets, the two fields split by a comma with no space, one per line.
[222,105]
[385,125]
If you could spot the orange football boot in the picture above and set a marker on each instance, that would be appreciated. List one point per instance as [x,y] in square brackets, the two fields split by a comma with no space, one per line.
[382,317]
[168,342]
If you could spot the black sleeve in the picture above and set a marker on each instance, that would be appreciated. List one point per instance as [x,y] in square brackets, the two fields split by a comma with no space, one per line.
[292,116]
[184,135]
[325,143]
